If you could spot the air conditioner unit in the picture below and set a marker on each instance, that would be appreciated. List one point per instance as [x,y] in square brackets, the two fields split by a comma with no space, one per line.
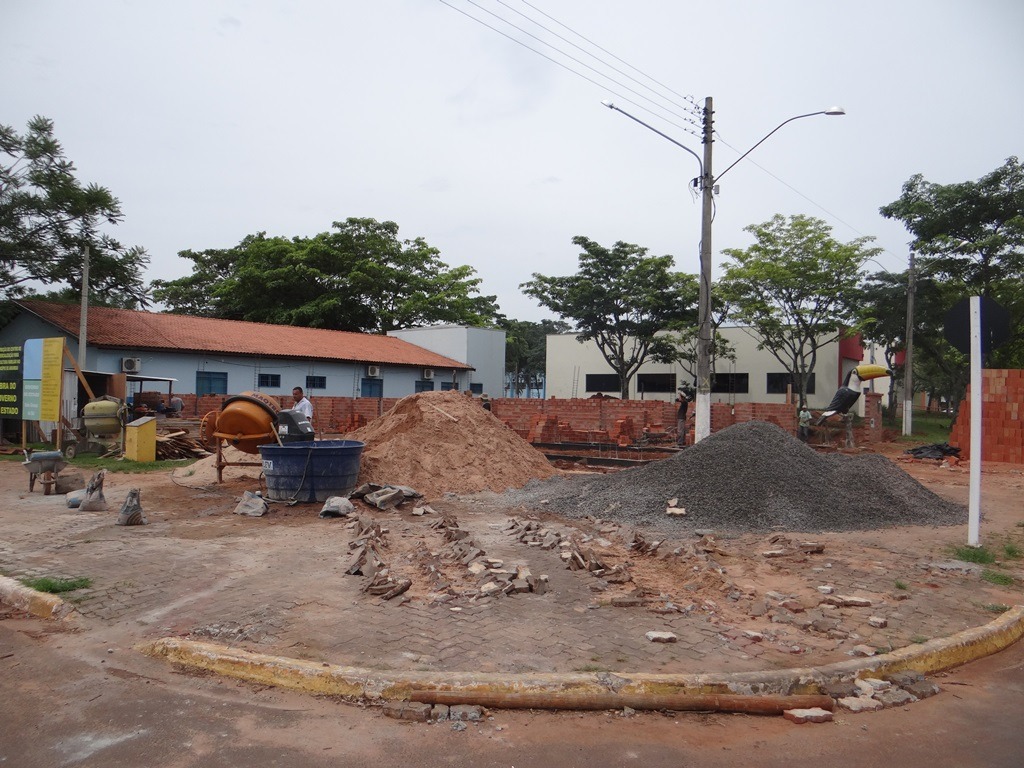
[428,374]
[373,371]
[131,364]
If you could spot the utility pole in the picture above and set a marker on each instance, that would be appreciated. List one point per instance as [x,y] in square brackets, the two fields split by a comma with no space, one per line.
[702,409]
[908,358]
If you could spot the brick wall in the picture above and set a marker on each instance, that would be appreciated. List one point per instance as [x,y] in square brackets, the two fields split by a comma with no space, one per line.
[1002,428]
[553,420]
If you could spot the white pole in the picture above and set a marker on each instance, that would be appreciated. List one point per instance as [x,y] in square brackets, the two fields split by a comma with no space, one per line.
[974,505]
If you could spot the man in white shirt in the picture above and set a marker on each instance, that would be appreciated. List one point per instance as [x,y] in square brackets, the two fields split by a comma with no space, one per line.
[302,404]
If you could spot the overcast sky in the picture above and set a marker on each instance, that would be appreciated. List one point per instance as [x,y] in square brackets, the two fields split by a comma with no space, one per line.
[214,120]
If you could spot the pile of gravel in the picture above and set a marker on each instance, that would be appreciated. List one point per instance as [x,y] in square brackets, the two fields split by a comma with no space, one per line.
[750,477]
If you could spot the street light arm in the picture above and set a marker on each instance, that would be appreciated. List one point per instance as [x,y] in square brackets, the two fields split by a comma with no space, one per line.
[664,136]
[830,111]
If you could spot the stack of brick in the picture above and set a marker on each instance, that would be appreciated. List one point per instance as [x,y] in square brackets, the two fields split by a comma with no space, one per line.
[623,432]
[543,429]
[1002,427]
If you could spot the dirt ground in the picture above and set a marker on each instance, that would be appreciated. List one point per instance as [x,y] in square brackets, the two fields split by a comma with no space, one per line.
[80,698]
[69,701]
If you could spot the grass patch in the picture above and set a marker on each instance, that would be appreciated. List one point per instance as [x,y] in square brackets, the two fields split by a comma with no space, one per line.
[996,607]
[1000,579]
[900,584]
[929,428]
[56,586]
[590,668]
[974,554]
[918,639]
[91,462]
[1012,551]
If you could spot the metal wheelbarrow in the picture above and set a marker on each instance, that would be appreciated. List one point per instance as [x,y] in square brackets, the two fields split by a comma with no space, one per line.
[44,465]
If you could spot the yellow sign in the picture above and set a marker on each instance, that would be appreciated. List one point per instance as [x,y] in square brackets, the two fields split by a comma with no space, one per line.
[42,379]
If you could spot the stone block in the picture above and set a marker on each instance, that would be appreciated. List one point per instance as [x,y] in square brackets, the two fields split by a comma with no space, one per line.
[662,637]
[922,689]
[812,715]
[895,697]
[841,690]
[471,712]
[626,601]
[859,704]
[878,621]
[407,710]
[439,712]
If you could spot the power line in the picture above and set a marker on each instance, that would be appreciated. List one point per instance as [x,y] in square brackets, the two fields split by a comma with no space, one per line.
[570,69]
[693,104]
[689,99]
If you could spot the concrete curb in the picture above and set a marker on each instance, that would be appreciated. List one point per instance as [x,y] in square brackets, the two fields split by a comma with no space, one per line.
[322,678]
[40,604]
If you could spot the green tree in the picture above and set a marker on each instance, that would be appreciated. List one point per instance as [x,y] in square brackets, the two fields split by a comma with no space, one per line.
[682,338]
[47,218]
[620,298]
[526,352]
[358,277]
[797,287]
[971,234]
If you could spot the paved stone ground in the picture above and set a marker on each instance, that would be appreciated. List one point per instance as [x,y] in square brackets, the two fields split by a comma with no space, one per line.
[277,585]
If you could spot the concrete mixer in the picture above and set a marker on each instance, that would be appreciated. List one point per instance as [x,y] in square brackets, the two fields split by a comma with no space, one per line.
[103,421]
[248,420]
[297,468]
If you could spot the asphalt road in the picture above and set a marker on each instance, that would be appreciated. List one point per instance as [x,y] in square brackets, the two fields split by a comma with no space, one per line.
[68,699]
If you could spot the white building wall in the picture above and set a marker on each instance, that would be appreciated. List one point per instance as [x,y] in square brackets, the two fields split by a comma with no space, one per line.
[569,362]
[482,348]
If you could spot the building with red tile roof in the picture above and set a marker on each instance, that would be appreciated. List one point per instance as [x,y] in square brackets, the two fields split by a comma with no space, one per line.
[229,356]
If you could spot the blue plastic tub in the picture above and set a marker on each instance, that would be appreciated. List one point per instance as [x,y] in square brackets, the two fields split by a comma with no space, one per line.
[311,471]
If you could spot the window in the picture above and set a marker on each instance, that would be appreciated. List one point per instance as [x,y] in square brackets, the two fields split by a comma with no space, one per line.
[424,385]
[448,386]
[477,387]
[370,388]
[777,382]
[731,383]
[316,382]
[656,382]
[211,383]
[602,382]
[270,380]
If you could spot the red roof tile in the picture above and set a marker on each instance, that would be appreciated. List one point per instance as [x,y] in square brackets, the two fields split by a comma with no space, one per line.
[130,329]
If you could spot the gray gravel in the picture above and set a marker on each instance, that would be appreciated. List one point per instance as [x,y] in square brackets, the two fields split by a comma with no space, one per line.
[750,477]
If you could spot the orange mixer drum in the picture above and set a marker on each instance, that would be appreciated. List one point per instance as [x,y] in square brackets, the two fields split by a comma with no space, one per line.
[247,420]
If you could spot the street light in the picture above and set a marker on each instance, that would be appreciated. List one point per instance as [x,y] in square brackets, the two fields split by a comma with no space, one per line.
[707,181]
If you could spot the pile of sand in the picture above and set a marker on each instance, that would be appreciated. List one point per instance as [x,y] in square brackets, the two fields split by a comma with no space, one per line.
[445,441]
[203,473]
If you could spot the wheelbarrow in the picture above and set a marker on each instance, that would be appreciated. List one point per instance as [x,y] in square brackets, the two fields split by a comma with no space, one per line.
[44,465]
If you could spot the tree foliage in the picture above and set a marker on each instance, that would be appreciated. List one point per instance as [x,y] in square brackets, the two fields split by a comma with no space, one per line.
[47,218]
[971,235]
[682,341]
[358,277]
[797,287]
[526,352]
[620,298]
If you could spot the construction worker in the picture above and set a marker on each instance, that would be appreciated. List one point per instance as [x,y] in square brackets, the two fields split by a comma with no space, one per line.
[804,424]
[683,401]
